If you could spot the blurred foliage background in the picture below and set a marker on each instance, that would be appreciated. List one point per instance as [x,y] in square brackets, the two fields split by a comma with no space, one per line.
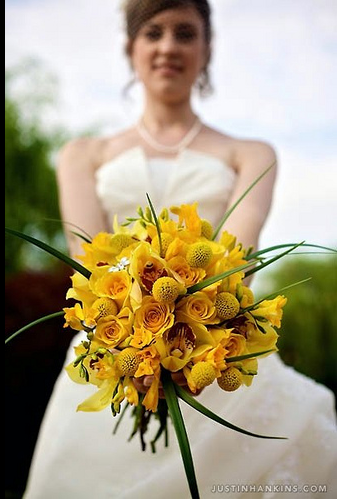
[36,283]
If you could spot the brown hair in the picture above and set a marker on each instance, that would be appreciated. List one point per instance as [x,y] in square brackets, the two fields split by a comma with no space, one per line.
[138,12]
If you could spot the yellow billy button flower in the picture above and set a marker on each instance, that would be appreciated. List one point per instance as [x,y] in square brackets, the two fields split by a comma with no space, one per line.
[199,255]
[104,306]
[227,306]
[202,374]
[206,229]
[230,379]
[166,240]
[121,241]
[166,289]
[128,361]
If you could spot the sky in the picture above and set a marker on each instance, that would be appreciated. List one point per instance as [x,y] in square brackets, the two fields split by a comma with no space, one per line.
[274,73]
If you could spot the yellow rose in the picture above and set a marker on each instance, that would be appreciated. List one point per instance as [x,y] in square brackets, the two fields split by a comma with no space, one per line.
[115,285]
[235,345]
[112,330]
[189,275]
[198,307]
[151,319]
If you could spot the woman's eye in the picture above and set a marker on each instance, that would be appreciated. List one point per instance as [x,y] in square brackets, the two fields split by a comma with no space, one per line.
[185,35]
[153,34]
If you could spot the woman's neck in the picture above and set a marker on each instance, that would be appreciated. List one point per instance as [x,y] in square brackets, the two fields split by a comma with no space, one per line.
[159,117]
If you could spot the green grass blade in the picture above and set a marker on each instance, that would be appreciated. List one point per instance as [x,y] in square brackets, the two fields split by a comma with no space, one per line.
[52,251]
[179,426]
[156,221]
[218,277]
[232,208]
[258,253]
[238,358]
[199,407]
[274,294]
[34,323]
[272,260]
[82,234]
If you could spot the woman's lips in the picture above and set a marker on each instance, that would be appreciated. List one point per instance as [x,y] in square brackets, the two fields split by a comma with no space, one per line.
[168,69]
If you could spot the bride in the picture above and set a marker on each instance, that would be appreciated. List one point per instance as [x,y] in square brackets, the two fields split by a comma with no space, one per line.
[177,159]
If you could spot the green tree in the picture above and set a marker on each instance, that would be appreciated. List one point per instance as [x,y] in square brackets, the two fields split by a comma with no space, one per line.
[308,336]
[30,184]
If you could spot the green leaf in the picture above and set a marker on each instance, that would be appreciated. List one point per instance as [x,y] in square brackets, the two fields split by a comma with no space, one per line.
[156,221]
[179,426]
[199,407]
[34,323]
[52,251]
[232,208]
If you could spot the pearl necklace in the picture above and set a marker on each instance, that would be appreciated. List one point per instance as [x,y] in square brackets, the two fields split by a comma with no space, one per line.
[179,146]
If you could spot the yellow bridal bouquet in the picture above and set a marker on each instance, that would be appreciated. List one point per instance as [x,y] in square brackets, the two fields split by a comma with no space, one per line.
[166,294]
[162,296]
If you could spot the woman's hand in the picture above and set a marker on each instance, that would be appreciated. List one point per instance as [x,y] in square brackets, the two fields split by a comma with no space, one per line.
[143,383]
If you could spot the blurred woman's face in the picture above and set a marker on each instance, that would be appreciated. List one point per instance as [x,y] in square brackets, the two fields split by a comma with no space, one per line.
[169,52]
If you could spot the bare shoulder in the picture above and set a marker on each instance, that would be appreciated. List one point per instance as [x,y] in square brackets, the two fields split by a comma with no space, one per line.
[90,152]
[254,152]
[79,153]
[241,153]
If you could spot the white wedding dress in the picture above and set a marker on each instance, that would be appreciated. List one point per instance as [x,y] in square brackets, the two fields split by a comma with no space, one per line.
[76,455]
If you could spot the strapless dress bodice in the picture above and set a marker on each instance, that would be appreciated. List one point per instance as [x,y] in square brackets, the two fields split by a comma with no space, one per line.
[192,176]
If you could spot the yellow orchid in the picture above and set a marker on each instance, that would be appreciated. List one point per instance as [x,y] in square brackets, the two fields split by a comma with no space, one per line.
[100,399]
[146,266]
[183,342]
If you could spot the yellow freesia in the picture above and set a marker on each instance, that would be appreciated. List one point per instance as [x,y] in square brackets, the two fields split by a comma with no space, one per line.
[130,391]
[80,290]
[272,310]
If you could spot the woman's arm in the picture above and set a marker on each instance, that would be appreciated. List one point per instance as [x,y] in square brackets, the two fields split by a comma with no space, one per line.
[79,204]
[251,159]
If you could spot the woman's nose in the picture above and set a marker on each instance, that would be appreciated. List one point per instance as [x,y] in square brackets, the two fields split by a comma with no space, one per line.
[168,43]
